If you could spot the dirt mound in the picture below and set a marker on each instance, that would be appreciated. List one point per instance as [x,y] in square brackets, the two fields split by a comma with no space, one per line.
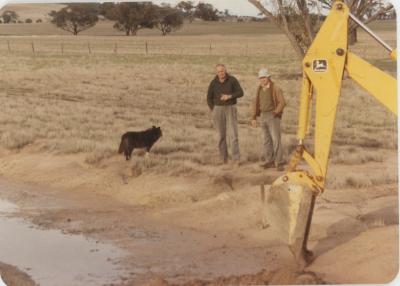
[283,276]
[13,276]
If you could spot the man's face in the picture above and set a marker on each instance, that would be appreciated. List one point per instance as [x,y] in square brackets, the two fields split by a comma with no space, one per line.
[221,72]
[264,81]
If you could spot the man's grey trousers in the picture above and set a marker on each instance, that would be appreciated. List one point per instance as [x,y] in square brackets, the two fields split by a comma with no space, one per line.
[225,120]
[271,129]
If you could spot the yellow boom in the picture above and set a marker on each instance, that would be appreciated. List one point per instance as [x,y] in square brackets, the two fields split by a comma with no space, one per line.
[292,196]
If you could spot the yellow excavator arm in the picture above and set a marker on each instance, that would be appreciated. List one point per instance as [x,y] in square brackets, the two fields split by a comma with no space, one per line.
[292,196]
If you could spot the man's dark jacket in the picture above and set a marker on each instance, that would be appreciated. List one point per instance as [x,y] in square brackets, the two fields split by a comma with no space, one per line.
[216,89]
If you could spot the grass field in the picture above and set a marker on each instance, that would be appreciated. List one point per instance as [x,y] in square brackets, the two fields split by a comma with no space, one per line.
[69,94]
[105,28]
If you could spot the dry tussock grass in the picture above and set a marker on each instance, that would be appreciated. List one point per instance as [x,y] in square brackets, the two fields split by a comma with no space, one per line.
[361,180]
[81,103]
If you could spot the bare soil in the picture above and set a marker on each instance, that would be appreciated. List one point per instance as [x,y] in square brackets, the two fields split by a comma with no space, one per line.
[205,229]
[13,276]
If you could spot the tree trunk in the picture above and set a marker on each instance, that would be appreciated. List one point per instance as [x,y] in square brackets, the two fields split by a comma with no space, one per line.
[352,37]
[283,25]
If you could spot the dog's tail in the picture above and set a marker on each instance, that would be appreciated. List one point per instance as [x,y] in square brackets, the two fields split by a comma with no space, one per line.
[121,146]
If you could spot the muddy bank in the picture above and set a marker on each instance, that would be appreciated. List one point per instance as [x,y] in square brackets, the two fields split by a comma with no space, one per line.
[283,276]
[12,276]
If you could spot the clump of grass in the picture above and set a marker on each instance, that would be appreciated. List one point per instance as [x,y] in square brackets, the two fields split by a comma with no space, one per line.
[17,140]
[166,149]
[98,155]
[360,180]
[354,156]
[377,223]
[160,164]
[74,146]
[250,145]
[178,168]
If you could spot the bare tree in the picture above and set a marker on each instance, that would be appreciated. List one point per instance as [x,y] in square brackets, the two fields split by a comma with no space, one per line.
[300,26]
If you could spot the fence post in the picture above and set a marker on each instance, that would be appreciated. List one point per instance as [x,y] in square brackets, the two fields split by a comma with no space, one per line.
[210,48]
[9,48]
[33,47]
[147,48]
[115,48]
[90,51]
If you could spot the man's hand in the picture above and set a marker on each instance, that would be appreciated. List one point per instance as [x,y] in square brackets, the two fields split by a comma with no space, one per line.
[226,97]
[254,123]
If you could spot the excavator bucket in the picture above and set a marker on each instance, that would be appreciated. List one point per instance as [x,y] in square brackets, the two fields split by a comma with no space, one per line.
[289,210]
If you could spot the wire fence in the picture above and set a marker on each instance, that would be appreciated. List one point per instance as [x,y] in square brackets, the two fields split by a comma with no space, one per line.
[171,47]
[146,48]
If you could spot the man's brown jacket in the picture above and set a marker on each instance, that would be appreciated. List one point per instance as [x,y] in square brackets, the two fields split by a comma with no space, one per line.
[277,98]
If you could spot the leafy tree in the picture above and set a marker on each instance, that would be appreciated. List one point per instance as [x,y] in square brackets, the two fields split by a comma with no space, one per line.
[131,17]
[9,16]
[169,19]
[206,12]
[108,10]
[75,18]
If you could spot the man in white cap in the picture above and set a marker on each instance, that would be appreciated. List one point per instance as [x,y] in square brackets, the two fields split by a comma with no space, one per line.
[269,104]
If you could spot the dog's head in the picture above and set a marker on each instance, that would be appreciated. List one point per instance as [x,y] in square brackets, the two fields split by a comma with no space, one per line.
[157,131]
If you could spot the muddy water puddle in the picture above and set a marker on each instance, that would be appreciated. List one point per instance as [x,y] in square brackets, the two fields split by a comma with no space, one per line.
[53,258]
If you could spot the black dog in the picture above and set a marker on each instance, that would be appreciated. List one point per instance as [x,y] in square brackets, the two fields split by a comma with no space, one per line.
[141,139]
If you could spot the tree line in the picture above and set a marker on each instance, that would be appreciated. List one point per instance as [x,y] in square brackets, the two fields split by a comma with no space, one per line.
[299,20]
[8,17]
[128,17]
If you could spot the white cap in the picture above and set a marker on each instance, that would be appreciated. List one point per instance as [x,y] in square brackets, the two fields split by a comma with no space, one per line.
[263,73]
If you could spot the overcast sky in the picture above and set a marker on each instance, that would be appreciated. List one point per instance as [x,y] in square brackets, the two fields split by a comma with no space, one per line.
[235,7]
